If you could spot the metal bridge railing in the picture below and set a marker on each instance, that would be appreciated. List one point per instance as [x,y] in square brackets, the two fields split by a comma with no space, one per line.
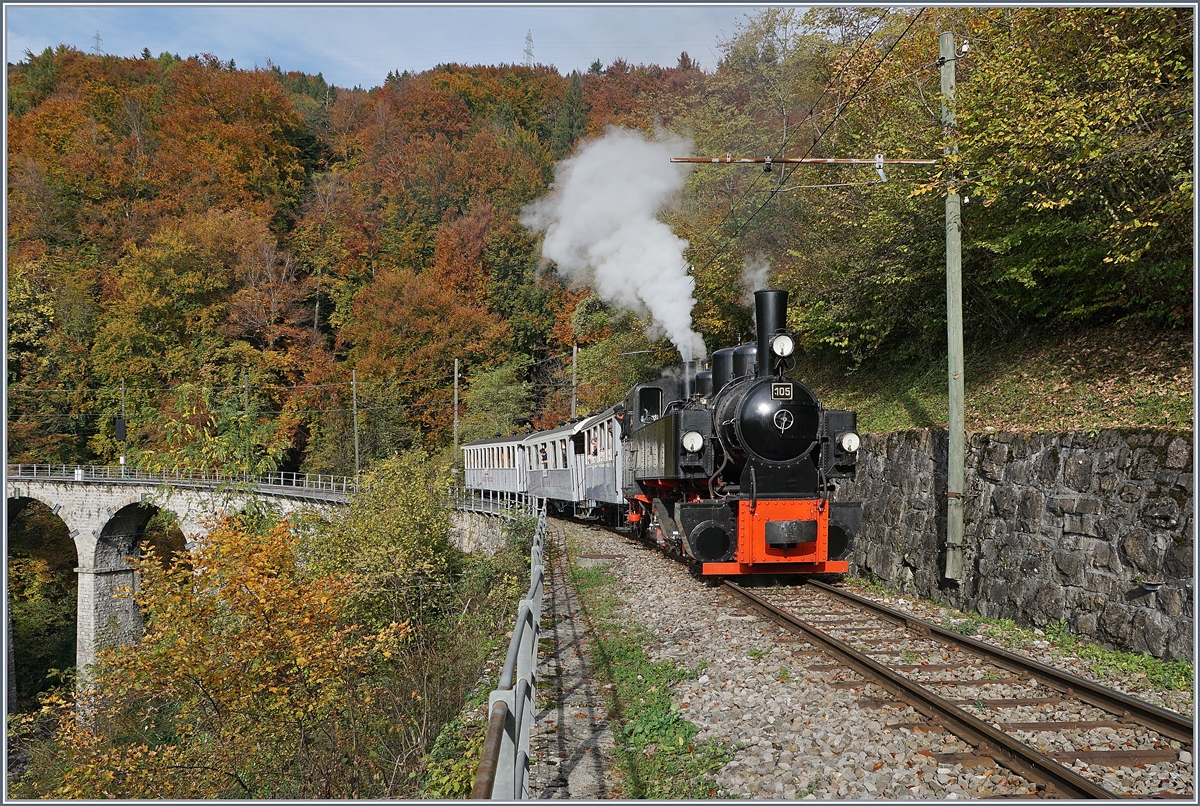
[303,485]
[503,772]
[493,502]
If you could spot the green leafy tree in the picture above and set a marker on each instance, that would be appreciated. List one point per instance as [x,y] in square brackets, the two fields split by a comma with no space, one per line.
[496,402]
[210,431]
[571,123]
[1076,138]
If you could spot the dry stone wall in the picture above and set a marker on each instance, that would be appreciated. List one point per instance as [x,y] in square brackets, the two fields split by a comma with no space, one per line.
[1094,530]
[476,533]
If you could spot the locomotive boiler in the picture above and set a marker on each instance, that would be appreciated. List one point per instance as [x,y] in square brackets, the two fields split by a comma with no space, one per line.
[734,467]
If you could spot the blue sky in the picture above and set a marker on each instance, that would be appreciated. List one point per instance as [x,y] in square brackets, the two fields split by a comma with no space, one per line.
[358,45]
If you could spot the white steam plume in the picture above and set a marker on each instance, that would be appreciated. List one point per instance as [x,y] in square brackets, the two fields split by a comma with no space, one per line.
[754,277]
[601,228]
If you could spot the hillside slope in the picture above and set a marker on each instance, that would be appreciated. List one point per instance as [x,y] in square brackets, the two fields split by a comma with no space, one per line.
[1123,375]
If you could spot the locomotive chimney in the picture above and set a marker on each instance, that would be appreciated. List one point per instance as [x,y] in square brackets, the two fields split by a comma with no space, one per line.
[689,378]
[722,368]
[770,313]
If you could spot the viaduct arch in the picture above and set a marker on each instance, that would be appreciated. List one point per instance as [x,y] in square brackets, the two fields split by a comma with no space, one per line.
[106,511]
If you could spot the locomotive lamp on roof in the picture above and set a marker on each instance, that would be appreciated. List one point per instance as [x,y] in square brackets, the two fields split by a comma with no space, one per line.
[733,468]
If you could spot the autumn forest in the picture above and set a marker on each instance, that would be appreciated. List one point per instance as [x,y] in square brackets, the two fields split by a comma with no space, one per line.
[239,261]
[230,245]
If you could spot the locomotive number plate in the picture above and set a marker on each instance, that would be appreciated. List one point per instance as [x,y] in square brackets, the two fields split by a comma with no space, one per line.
[781,391]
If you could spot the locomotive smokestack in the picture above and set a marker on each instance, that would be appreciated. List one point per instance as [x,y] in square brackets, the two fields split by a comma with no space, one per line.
[770,313]
[689,378]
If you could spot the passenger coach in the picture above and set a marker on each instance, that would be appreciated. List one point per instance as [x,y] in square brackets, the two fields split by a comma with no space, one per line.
[576,468]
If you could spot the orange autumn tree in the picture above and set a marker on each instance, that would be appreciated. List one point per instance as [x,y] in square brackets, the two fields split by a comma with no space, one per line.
[251,680]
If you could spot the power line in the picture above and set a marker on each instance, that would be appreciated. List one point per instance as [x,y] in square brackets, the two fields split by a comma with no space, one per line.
[820,136]
[783,146]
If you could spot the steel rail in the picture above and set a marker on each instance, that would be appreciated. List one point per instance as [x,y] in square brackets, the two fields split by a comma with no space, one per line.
[1161,720]
[1057,779]
[485,775]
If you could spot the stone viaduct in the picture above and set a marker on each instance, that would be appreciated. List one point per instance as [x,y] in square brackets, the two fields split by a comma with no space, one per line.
[106,510]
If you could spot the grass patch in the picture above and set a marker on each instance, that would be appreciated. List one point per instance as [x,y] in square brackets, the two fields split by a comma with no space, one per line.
[1124,375]
[655,747]
[870,584]
[1159,675]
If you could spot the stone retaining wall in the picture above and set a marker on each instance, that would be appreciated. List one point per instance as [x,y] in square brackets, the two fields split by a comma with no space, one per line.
[1057,527]
[476,533]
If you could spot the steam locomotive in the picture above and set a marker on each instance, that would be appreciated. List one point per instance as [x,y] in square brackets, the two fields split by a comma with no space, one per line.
[732,467]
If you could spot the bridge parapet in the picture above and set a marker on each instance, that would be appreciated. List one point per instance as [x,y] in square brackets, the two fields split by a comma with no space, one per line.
[311,486]
[507,505]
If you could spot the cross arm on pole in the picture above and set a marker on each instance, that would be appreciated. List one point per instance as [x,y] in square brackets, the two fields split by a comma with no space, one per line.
[872,161]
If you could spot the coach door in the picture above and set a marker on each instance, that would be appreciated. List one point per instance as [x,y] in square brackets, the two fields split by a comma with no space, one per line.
[577,470]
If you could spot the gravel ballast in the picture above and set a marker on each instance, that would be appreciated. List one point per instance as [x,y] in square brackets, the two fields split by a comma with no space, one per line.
[793,733]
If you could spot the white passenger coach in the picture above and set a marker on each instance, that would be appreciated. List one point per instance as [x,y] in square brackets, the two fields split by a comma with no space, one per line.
[576,467]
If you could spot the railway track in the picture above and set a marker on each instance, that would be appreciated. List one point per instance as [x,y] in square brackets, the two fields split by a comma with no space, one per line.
[1071,737]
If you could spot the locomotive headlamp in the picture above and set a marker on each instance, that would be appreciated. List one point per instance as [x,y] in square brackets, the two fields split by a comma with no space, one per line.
[850,442]
[783,345]
[693,441]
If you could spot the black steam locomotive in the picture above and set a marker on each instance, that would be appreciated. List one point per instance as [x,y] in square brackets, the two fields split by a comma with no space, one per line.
[734,467]
[731,467]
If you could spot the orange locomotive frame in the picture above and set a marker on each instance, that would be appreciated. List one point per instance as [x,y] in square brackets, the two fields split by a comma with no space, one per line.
[754,556]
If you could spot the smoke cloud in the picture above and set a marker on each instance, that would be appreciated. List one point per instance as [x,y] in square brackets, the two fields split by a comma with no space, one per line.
[601,229]
[754,277]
